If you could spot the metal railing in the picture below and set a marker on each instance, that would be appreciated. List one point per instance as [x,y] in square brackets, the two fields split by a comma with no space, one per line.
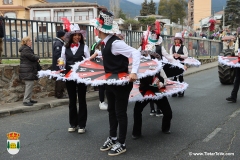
[16,29]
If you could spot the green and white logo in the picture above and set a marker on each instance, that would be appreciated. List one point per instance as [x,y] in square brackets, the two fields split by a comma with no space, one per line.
[13,143]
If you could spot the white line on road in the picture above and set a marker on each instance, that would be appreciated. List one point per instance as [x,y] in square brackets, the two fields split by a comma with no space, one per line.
[235,113]
[211,135]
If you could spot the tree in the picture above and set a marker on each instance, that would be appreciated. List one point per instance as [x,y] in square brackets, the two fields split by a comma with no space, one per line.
[144,22]
[232,14]
[144,10]
[173,9]
[135,24]
[122,15]
[151,7]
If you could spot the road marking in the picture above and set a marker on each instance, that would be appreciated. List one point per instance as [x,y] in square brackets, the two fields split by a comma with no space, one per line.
[211,135]
[235,113]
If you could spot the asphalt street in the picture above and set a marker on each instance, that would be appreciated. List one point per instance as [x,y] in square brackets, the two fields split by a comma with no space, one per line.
[204,126]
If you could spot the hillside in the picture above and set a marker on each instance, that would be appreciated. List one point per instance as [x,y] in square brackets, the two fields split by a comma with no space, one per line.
[129,8]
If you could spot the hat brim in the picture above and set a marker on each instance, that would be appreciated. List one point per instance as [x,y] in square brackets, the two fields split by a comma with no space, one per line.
[83,32]
[113,30]
[178,38]
[156,43]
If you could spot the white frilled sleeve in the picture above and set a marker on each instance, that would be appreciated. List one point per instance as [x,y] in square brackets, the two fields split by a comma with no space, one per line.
[163,74]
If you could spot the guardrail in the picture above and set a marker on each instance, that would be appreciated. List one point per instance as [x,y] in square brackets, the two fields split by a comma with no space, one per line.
[19,28]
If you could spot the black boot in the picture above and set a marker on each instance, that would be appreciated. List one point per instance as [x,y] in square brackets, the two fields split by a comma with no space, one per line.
[181,94]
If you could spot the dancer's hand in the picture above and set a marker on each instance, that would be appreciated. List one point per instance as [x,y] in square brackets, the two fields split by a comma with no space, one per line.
[93,56]
[185,67]
[132,77]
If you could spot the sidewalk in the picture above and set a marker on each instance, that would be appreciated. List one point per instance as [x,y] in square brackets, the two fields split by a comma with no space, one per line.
[51,102]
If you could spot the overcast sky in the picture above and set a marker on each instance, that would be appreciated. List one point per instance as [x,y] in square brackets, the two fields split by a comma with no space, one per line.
[141,1]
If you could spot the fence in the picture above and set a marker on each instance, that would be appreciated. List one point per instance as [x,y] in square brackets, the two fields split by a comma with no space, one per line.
[16,29]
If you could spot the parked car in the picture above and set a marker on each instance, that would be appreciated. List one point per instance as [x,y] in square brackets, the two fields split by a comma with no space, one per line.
[43,38]
[8,38]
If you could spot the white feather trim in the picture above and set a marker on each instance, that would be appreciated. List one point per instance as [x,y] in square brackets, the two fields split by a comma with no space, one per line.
[159,95]
[191,61]
[227,62]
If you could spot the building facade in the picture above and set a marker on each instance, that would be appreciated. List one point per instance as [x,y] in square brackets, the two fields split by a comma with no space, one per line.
[197,10]
[17,8]
[75,12]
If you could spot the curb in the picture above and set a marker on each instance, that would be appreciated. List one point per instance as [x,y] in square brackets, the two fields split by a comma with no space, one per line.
[189,73]
[40,106]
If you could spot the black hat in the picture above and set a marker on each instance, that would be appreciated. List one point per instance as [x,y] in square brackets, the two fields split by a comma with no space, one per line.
[60,33]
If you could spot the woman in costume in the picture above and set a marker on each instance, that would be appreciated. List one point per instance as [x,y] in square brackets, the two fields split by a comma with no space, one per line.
[179,52]
[74,51]
[152,84]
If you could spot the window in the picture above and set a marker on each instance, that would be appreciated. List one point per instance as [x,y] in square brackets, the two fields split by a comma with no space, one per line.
[7,1]
[10,15]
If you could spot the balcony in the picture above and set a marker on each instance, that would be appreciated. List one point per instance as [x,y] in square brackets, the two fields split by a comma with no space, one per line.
[42,18]
[59,18]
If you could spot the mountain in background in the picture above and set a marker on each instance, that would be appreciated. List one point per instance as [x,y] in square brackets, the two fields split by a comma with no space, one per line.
[132,9]
[129,8]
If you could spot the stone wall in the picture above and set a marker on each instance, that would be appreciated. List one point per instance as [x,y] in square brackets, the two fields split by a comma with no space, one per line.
[12,88]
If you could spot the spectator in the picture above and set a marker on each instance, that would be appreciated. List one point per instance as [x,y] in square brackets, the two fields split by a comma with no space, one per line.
[28,69]
[57,49]
[1,36]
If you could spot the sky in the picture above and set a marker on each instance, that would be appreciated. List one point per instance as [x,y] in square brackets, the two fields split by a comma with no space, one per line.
[141,1]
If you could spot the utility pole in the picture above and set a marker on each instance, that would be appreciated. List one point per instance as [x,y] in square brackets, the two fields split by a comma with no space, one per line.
[223,27]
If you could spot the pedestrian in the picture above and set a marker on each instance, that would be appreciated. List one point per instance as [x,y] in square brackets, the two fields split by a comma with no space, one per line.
[74,51]
[101,88]
[148,84]
[115,54]
[1,36]
[57,49]
[28,69]
[179,52]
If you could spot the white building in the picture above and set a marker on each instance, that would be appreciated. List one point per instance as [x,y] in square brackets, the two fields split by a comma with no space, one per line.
[204,23]
[75,12]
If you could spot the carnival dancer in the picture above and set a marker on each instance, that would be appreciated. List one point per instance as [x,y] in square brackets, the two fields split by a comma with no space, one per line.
[115,54]
[152,84]
[57,49]
[233,97]
[152,42]
[72,52]
[101,88]
[179,52]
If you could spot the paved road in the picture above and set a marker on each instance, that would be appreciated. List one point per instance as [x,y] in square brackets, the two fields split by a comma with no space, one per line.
[197,117]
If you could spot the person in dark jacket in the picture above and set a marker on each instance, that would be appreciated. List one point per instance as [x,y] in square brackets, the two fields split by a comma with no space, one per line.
[28,69]
[57,49]
[1,36]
